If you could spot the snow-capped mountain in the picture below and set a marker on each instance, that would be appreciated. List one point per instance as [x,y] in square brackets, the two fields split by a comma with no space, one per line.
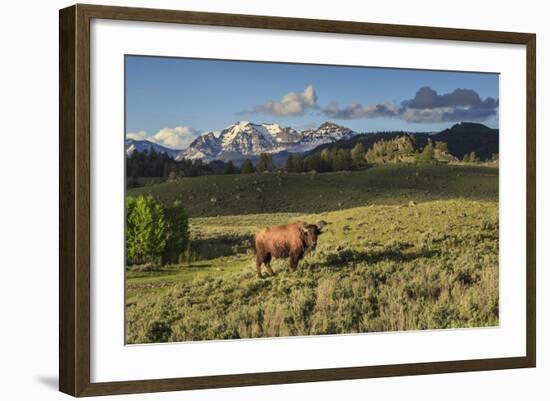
[246,139]
[133,145]
[326,133]
[205,146]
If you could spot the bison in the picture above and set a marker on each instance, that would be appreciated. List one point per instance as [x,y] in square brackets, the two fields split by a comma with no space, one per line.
[292,240]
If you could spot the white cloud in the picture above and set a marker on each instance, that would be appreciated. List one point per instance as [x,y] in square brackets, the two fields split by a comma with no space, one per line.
[291,104]
[176,138]
[138,136]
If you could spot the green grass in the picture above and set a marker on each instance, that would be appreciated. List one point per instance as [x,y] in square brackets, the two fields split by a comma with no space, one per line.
[313,193]
[382,265]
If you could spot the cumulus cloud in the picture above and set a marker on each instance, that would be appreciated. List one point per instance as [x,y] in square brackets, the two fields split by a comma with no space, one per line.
[427,106]
[460,105]
[356,110]
[291,104]
[138,136]
[176,138]
[427,98]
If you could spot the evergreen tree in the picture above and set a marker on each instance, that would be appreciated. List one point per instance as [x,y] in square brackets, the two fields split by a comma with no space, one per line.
[313,162]
[247,167]
[297,164]
[230,168]
[177,232]
[358,155]
[289,163]
[265,163]
[343,160]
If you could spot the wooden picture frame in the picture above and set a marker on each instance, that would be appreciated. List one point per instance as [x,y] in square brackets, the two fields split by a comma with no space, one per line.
[74,203]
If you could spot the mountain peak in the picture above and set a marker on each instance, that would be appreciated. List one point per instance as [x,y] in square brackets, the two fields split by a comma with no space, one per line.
[329,125]
[247,139]
[146,145]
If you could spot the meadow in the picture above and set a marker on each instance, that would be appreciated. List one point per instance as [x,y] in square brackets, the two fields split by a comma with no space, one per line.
[405,248]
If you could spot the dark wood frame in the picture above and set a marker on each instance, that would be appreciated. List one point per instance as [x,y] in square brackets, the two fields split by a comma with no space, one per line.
[74,199]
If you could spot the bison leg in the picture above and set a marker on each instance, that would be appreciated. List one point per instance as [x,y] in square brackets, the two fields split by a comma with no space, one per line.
[259,261]
[263,259]
[294,259]
[267,261]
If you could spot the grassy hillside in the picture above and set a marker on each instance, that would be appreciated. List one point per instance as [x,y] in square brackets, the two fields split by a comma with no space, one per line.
[384,264]
[314,193]
[378,268]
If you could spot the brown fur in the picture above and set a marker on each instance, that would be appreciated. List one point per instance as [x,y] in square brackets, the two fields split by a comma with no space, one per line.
[292,241]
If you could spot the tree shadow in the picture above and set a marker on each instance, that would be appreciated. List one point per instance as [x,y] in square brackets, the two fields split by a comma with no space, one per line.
[347,256]
[222,245]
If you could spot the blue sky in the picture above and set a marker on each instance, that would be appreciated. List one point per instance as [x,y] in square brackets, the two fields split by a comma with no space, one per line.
[170,99]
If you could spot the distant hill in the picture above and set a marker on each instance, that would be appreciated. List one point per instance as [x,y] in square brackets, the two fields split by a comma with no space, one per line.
[461,139]
[465,138]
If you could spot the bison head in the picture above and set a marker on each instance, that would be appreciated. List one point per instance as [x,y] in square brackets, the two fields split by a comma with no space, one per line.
[310,235]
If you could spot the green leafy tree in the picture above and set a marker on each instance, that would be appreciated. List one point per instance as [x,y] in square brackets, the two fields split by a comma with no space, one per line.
[358,155]
[177,233]
[407,146]
[145,229]
[371,156]
[473,157]
[441,147]
[325,154]
[247,167]
[390,151]
[427,156]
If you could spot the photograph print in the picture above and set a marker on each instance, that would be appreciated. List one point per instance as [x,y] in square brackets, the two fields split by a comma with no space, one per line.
[272,199]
